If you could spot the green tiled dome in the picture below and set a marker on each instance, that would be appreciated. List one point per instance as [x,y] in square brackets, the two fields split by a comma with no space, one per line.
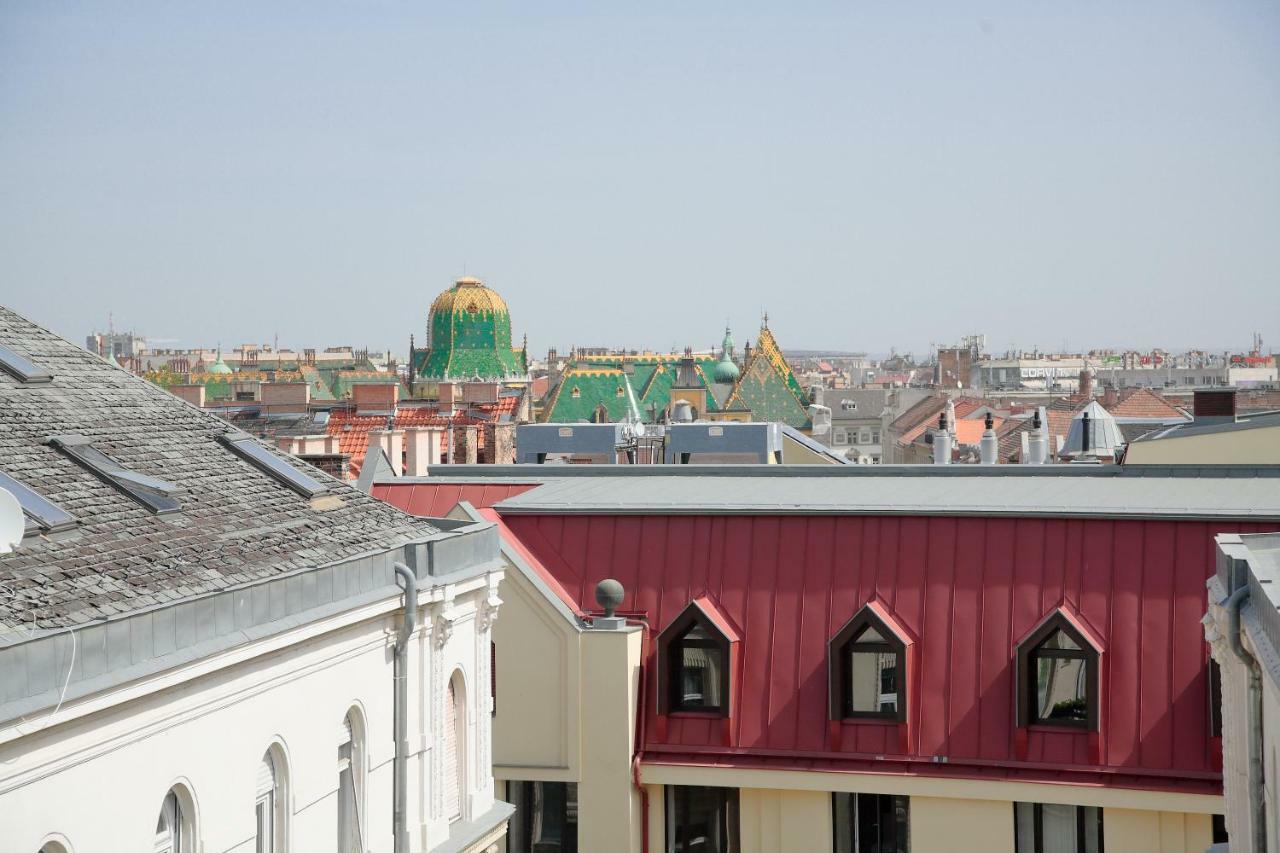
[470,336]
[726,371]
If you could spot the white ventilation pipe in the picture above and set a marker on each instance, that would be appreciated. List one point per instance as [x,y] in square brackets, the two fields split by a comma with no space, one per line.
[942,442]
[988,447]
[1039,454]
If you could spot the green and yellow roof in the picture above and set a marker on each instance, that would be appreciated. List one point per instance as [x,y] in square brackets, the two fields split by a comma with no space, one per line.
[469,336]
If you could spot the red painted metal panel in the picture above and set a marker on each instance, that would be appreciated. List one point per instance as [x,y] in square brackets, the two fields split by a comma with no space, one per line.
[968,589]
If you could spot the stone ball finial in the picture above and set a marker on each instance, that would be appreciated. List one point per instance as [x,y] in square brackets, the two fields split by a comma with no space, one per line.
[609,594]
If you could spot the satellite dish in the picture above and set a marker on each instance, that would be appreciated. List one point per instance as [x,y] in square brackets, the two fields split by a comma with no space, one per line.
[12,522]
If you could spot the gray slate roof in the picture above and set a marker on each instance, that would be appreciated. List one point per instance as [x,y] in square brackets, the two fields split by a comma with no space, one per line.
[998,490]
[236,525]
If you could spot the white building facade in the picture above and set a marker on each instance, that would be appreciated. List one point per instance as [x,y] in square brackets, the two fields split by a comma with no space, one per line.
[283,742]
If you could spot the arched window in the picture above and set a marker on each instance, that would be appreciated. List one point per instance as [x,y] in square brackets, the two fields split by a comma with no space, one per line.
[694,660]
[1058,676]
[53,847]
[351,783]
[455,751]
[175,828]
[270,806]
[867,669]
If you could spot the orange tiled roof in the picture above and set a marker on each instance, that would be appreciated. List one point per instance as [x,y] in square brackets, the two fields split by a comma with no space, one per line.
[1145,403]
[926,416]
[970,431]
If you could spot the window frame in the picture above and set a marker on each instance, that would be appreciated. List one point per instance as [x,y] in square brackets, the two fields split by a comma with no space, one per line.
[840,667]
[730,815]
[899,799]
[1029,653]
[670,673]
[1037,830]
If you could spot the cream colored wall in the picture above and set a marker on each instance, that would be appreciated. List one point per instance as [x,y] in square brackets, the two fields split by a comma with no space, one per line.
[782,821]
[772,821]
[535,731]
[608,802]
[1246,446]
[1155,832]
[981,826]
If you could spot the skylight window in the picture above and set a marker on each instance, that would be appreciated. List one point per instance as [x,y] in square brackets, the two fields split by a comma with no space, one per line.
[22,368]
[152,492]
[260,457]
[41,514]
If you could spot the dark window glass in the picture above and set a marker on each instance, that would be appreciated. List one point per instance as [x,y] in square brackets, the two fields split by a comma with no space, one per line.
[697,671]
[871,823]
[1059,681]
[1052,828]
[546,818]
[702,820]
[1220,829]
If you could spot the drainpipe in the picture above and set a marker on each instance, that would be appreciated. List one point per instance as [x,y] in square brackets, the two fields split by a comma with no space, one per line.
[1257,825]
[399,815]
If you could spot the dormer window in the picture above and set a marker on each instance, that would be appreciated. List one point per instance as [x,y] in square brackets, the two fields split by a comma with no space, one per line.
[695,659]
[868,669]
[1058,675]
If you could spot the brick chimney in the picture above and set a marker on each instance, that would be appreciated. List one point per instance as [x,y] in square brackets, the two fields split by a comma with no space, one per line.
[448,396]
[466,440]
[193,394]
[1086,383]
[1212,405]
[1110,396]
[286,396]
[375,398]
[499,444]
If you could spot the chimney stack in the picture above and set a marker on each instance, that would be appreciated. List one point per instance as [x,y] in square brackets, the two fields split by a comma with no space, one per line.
[422,450]
[988,447]
[1086,383]
[1039,445]
[1214,405]
[942,442]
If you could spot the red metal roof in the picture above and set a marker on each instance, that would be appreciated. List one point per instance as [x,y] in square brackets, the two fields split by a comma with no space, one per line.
[967,588]
[435,500]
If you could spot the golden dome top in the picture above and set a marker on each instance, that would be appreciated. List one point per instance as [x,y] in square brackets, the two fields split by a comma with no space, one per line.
[470,295]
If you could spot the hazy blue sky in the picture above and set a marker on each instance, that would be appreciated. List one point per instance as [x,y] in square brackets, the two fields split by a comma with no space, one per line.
[874,174]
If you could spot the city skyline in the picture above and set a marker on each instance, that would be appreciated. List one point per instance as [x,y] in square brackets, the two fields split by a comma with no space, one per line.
[1100,175]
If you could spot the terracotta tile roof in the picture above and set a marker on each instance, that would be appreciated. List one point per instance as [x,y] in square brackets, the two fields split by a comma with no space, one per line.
[924,415]
[970,431]
[1145,403]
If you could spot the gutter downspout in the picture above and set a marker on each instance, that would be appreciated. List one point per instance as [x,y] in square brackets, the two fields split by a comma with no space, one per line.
[399,815]
[640,737]
[1257,816]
